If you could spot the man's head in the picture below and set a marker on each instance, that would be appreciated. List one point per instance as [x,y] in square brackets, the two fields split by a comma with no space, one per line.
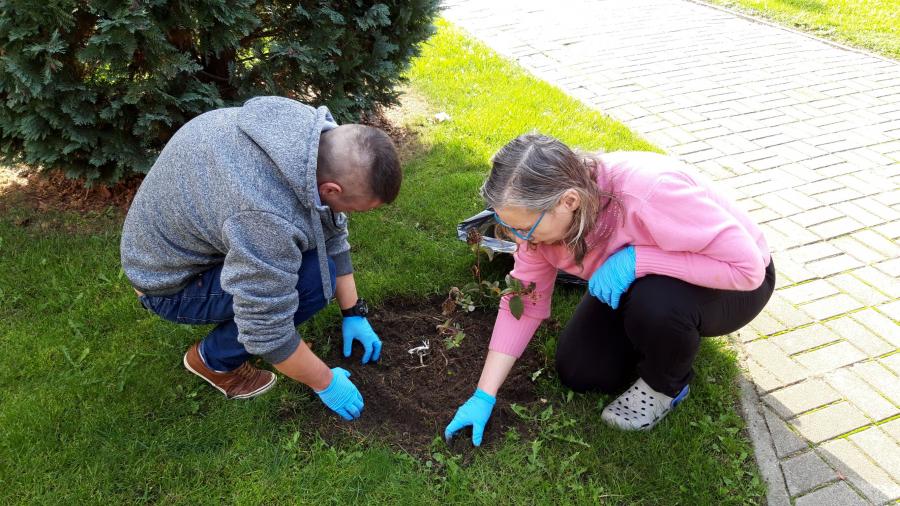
[358,168]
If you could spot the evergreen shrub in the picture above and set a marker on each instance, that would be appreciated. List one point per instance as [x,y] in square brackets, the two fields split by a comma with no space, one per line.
[96,88]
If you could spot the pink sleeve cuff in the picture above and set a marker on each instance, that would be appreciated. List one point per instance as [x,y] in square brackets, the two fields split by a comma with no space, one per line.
[650,260]
[510,335]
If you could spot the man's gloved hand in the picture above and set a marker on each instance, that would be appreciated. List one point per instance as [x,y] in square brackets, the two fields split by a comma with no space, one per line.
[357,327]
[614,277]
[341,395]
[475,412]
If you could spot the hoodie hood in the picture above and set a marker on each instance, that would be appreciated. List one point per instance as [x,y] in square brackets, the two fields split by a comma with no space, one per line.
[289,133]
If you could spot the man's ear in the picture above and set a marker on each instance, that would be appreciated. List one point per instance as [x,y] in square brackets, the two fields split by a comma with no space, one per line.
[330,189]
[571,200]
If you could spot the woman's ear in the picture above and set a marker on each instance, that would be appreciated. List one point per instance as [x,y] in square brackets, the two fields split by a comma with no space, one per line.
[571,200]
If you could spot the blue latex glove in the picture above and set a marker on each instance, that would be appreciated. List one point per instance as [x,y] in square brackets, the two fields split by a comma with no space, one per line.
[342,396]
[357,327]
[614,277]
[475,412]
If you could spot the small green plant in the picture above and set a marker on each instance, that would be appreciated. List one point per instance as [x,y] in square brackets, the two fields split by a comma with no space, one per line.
[460,298]
[480,291]
[452,332]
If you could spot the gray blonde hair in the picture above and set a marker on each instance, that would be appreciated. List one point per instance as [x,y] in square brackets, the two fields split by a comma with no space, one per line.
[534,171]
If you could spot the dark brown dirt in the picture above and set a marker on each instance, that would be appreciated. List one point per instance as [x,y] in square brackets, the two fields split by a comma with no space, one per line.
[408,404]
[55,192]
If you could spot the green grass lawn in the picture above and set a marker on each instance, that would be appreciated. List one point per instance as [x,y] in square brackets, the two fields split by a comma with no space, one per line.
[95,406]
[869,24]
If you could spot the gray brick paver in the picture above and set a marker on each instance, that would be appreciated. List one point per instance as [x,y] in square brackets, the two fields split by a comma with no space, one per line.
[784,439]
[817,216]
[881,449]
[838,494]
[842,194]
[892,428]
[890,230]
[778,203]
[763,325]
[886,382]
[861,337]
[829,358]
[791,272]
[881,325]
[790,401]
[834,228]
[764,215]
[882,211]
[805,472]
[763,378]
[878,280]
[861,394]
[812,133]
[831,306]
[829,422]
[798,340]
[891,310]
[808,292]
[858,250]
[836,169]
[890,267]
[786,313]
[860,291]
[773,359]
[833,265]
[811,252]
[892,362]
[866,183]
[865,475]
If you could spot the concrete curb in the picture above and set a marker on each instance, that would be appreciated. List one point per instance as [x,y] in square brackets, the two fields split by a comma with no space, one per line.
[763,445]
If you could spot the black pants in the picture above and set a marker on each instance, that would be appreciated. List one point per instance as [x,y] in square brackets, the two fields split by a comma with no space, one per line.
[655,333]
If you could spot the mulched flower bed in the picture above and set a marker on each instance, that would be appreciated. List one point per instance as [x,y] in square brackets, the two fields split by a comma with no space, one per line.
[409,402]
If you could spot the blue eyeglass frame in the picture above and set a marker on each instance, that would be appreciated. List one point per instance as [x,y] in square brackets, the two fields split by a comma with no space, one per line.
[527,236]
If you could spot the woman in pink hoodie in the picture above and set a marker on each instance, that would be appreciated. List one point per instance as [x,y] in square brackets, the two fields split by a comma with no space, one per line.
[668,259]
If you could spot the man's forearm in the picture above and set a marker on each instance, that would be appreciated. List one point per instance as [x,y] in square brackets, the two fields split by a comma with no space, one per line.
[345,291]
[304,366]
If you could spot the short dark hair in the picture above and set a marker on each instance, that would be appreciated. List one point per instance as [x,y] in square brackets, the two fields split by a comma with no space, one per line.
[385,175]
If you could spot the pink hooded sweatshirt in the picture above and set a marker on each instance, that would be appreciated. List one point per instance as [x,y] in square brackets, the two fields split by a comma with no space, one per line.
[678,224]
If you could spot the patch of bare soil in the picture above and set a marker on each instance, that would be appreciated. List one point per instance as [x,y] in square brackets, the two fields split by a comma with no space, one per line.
[55,192]
[408,401]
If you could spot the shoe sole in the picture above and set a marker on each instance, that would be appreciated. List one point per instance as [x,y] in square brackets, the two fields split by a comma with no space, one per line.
[265,388]
[630,428]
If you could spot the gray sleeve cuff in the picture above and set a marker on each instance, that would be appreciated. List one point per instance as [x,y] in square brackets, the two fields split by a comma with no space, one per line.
[342,263]
[284,351]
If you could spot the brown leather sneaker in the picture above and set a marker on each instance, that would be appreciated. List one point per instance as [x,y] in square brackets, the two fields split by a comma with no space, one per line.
[242,383]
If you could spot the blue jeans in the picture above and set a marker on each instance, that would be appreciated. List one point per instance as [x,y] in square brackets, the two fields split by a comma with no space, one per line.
[203,301]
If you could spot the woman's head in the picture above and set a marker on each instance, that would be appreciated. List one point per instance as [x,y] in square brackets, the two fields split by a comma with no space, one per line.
[536,177]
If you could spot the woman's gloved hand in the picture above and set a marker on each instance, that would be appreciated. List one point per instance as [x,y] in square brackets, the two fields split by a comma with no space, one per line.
[475,412]
[613,278]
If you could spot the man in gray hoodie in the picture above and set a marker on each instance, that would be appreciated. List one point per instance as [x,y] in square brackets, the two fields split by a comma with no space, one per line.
[240,223]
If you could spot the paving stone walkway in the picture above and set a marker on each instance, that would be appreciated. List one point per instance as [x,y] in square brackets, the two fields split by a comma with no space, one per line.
[806,135]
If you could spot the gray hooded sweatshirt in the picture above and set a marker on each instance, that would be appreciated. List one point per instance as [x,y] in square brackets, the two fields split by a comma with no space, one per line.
[237,186]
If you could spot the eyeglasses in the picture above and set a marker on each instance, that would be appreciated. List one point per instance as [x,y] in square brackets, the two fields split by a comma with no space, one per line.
[517,231]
